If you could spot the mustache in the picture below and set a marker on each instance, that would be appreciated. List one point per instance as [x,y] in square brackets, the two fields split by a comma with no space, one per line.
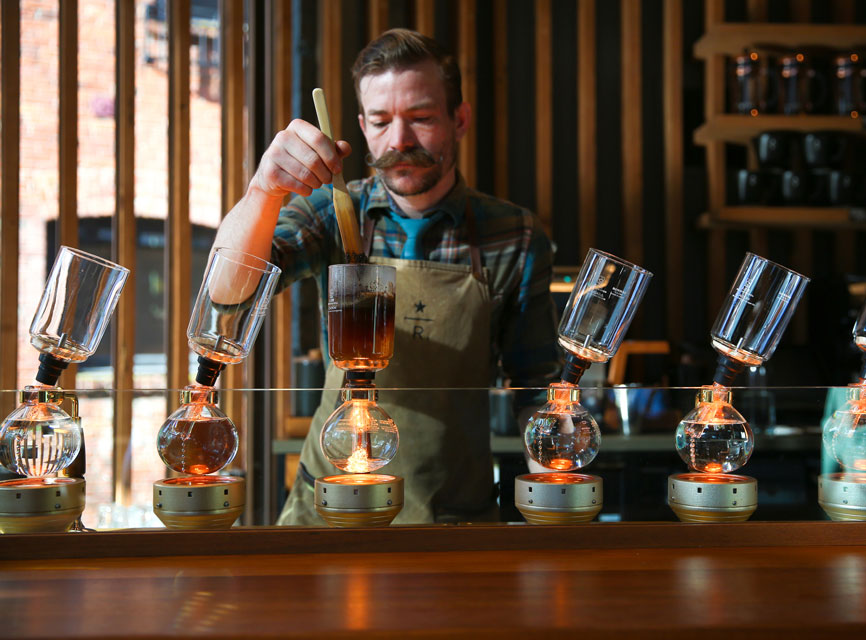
[417,157]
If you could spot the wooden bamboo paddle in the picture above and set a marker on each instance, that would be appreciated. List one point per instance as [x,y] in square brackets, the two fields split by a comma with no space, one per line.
[345,210]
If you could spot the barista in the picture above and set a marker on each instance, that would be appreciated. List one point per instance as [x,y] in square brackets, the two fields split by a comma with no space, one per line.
[473,273]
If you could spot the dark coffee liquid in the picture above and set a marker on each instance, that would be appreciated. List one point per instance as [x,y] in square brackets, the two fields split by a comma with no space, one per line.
[197,446]
[361,331]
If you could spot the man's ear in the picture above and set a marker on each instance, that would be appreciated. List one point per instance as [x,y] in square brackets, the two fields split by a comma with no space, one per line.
[363,123]
[462,118]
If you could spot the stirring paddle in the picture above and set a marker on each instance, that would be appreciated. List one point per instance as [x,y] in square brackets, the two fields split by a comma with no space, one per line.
[343,206]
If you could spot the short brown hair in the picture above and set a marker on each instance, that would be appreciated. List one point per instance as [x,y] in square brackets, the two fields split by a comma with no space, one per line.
[401,48]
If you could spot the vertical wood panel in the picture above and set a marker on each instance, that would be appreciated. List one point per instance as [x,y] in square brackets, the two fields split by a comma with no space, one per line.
[587,179]
[846,242]
[123,245]
[425,17]
[68,140]
[802,254]
[500,98]
[757,11]
[632,131]
[281,308]
[377,18]
[234,173]
[467,43]
[673,133]
[714,97]
[544,114]
[332,62]
[10,86]
[178,228]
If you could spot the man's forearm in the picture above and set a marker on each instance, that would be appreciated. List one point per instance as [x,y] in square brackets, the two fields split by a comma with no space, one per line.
[249,226]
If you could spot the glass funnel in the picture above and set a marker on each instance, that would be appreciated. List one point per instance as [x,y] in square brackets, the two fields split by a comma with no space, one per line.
[39,438]
[754,316]
[229,310]
[359,436]
[602,305]
[713,437]
[198,438]
[73,313]
[562,435]
[361,305]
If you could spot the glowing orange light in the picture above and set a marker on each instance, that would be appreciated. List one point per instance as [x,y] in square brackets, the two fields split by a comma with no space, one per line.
[753,112]
[854,57]
[358,462]
[859,465]
[561,464]
[713,467]
[753,55]
[558,478]
[200,469]
[854,114]
[800,57]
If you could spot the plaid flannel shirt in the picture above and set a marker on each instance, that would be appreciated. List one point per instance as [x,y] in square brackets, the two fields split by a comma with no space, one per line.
[514,249]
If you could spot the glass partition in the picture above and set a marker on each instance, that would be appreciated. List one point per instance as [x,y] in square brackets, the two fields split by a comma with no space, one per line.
[636,456]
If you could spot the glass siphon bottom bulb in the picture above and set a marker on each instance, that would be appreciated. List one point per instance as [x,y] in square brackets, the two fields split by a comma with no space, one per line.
[562,435]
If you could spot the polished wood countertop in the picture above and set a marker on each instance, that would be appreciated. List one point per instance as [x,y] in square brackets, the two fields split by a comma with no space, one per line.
[599,580]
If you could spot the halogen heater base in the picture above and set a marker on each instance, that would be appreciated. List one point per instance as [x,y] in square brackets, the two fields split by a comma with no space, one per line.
[199,502]
[359,499]
[558,498]
[40,505]
[712,497]
[843,495]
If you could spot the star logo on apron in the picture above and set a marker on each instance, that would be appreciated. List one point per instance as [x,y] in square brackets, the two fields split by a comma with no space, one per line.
[418,327]
[419,306]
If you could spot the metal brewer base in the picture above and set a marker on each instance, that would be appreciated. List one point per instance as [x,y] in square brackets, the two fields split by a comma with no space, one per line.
[203,502]
[843,495]
[40,505]
[712,497]
[558,498]
[359,500]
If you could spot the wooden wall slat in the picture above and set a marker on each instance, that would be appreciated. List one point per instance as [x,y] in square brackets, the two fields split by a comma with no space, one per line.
[233,151]
[425,17]
[178,227]
[68,141]
[377,18]
[587,158]
[467,44]
[632,131]
[332,62]
[714,99]
[672,60]
[757,11]
[281,307]
[123,245]
[846,242]
[10,86]
[500,98]
[544,114]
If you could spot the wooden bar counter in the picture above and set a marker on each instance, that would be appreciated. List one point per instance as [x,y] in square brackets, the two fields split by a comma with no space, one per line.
[600,580]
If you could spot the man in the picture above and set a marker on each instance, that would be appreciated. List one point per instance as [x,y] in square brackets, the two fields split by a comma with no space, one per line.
[473,273]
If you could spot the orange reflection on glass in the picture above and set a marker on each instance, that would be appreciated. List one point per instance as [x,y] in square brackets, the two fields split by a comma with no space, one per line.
[359,478]
[712,478]
[560,463]
[198,481]
[713,467]
[558,478]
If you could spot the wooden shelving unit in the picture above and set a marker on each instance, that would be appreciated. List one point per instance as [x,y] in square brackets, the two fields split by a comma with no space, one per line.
[730,38]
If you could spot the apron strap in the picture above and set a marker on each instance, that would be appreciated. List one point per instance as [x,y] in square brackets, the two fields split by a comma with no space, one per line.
[474,251]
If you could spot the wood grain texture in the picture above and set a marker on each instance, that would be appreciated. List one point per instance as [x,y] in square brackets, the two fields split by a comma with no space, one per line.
[757,11]
[178,229]
[544,114]
[10,88]
[672,60]
[587,178]
[332,65]
[632,130]
[425,17]
[377,18]
[467,58]
[500,98]
[731,38]
[123,249]
[846,242]
[68,134]
[750,580]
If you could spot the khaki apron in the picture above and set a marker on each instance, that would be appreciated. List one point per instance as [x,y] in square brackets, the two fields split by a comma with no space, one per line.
[442,341]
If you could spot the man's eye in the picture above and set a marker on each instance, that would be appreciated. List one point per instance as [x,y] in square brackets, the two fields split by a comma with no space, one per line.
[379,125]
[424,119]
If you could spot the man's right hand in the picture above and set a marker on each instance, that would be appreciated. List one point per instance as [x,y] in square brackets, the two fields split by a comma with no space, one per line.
[300,158]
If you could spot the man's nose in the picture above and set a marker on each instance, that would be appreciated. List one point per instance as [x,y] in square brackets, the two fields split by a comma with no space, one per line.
[402,136]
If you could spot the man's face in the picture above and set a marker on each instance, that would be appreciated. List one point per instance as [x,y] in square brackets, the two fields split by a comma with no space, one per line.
[410,134]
